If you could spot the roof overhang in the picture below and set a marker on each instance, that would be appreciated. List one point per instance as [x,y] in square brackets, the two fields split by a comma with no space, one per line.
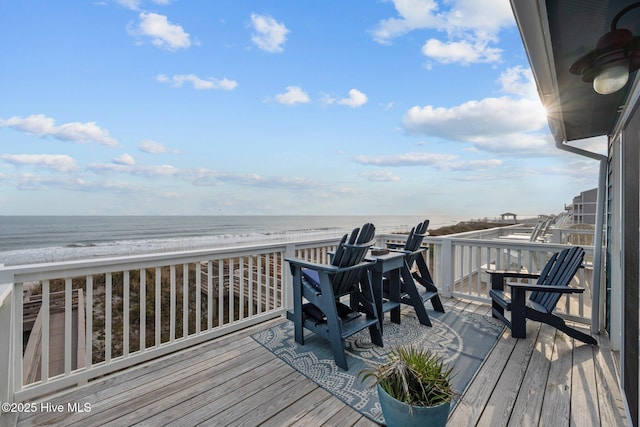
[555,34]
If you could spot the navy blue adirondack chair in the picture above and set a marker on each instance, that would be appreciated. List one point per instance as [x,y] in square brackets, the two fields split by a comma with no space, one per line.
[552,283]
[322,286]
[426,290]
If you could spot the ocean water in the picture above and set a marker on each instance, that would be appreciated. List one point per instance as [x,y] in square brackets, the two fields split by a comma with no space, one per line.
[37,239]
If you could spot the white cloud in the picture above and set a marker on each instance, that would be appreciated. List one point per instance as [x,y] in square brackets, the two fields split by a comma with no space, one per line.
[463,52]
[34,182]
[476,119]
[207,177]
[130,4]
[135,4]
[124,159]
[199,84]
[407,159]
[134,169]
[356,99]
[380,176]
[518,81]
[473,165]
[163,34]
[56,162]
[413,14]
[437,161]
[521,144]
[153,147]
[293,95]
[471,26]
[40,125]
[269,34]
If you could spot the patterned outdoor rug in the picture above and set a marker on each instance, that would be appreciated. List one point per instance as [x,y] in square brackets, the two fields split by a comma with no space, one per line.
[461,338]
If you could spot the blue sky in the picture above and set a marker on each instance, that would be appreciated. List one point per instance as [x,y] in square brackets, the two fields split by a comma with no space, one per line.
[414,107]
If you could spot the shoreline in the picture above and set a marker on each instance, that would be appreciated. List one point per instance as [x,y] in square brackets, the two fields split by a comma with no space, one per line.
[76,251]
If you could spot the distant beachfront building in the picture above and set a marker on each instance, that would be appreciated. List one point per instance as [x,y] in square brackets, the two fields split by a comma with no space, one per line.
[508,217]
[583,210]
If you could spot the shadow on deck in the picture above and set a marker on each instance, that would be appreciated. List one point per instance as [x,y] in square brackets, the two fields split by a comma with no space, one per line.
[546,379]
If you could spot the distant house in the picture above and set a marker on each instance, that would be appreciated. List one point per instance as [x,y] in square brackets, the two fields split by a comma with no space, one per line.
[584,207]
[508,217]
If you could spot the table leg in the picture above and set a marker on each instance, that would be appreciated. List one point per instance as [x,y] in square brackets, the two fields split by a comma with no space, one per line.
[376,285]
[394,293]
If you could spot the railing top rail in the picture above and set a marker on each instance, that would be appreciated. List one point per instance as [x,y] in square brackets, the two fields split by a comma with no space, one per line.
[41,271]
[460,239]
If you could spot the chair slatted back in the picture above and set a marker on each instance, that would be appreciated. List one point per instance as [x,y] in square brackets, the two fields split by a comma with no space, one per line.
[416,235]
[559,271]
[351,251]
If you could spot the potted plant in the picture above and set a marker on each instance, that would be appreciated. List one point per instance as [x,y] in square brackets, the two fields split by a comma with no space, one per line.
[414,387]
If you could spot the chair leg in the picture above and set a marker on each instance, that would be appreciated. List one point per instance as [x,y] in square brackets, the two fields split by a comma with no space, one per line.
[416,301]
[426,280]
[335,339]
[497,312]
[298,317]
[518,313]
[560,325]
[437,304]
[376,335]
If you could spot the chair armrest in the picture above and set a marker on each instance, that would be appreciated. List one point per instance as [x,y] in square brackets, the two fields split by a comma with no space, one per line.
[301,263]
[498,276]
[399,247]
[330,269]
[515,274]
[402,251]
[546,288]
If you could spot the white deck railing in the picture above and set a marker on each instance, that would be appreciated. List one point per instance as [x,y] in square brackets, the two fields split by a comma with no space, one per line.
[74,321]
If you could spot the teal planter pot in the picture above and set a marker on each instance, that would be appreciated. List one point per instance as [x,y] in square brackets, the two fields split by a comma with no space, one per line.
[400,414]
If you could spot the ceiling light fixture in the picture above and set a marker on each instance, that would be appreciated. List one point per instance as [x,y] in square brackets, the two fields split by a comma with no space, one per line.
[616,55]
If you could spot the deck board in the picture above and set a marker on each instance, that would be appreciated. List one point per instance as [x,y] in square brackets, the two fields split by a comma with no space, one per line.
[502,400]
[528,404]
[584,392]
[557,400]
[546,379]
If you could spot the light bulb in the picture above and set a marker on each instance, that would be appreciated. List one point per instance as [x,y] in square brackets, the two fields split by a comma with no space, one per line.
[611,79]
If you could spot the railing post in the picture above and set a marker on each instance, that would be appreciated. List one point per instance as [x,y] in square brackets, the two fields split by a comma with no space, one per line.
[447,263]
[6,337]
[287,278]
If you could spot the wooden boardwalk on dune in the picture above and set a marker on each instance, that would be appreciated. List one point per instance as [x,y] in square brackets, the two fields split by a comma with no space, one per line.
[546,379]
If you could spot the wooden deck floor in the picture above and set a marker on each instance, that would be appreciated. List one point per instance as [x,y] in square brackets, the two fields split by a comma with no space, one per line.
[544,380]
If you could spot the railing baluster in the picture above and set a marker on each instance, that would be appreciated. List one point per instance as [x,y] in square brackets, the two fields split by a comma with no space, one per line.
[18,323]
[260,284]
[478,269]
[143,309]
[220,292]
[125,314]
[241,288]
[185,300]
[89,323]
[267,289]
[469,271]
[46,314]
[68,323]
[231,291]
[107,322]
[210,307]
[198,291]
[172,303]
[250,285]
[158,307]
